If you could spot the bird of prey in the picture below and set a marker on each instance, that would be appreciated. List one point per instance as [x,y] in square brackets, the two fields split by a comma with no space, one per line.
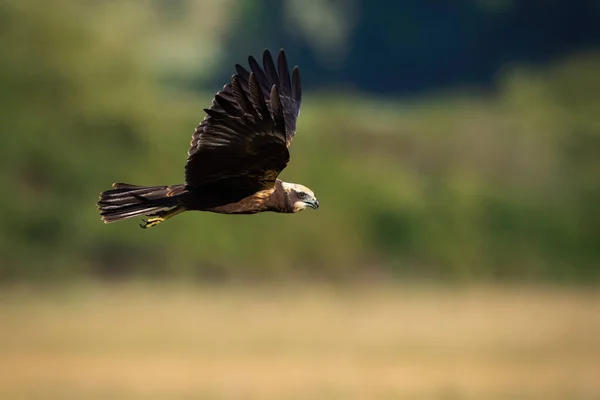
[235,155]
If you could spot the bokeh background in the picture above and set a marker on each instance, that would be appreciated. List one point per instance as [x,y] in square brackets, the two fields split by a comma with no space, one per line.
[454,148]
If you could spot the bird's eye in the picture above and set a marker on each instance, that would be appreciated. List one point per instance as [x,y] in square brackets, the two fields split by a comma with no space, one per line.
[301,195]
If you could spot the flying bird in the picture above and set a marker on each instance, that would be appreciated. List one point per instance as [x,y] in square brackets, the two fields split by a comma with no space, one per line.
[235,156]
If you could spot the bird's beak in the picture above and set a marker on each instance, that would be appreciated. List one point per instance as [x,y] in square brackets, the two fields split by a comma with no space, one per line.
[313,203]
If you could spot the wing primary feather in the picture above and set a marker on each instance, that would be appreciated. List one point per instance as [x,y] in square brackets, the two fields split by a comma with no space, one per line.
[260,74]
[270,69]
[228,107]
[242,72]
[277,109]
[296,86]
[241,98]
[256,96]
[227,95]
[284,74]
[213,113]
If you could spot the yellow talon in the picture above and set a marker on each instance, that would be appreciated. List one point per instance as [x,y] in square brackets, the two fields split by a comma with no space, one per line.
[150,222]
[160,217]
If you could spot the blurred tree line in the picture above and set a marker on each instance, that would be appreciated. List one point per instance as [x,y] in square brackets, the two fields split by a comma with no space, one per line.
[462,183]
[406,47]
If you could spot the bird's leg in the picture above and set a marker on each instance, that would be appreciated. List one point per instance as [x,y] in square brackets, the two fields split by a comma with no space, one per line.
[151,221]
[160,217]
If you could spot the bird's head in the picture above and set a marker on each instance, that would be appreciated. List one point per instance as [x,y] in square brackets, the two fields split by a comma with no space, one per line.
[299,197]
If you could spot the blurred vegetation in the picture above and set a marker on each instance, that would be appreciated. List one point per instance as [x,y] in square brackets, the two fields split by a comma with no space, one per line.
[461,184]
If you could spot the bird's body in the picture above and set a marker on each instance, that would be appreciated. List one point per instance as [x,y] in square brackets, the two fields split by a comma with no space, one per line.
[235,155]
[280,198]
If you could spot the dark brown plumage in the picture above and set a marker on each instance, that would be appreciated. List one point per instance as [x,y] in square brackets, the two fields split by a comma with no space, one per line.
[235,156]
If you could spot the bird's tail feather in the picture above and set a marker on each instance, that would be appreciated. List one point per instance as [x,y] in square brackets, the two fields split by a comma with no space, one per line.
[126,201]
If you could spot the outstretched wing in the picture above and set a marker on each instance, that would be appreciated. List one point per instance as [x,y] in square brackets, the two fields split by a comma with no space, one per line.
[241,146]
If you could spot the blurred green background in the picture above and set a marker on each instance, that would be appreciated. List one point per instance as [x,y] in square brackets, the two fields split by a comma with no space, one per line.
[445,141]
[454,147]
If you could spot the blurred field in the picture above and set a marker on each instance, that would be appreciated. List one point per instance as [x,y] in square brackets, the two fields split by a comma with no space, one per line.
[316,342]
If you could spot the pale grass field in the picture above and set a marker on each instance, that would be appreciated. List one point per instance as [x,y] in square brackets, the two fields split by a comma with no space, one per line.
[314,342]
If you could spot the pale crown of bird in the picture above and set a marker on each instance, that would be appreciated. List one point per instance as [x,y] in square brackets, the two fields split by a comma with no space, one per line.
[299,196]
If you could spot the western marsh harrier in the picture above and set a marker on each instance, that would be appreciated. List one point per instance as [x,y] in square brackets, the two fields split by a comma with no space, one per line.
[235,156]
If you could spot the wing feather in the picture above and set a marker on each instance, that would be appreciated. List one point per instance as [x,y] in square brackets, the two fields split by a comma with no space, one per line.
[270,69]
[256,96]
[284,74]
[276,107]
[242,72]
[228,106]
[296,88]
[241,98]
[261,76]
